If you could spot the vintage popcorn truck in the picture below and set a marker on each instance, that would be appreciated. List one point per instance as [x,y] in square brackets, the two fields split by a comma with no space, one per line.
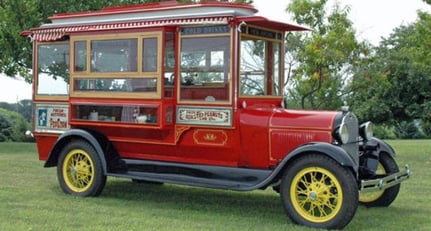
[191,93]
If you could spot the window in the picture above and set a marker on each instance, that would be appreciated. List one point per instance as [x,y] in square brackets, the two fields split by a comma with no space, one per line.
[205,68]
[150,54]
[117,55]
[169,65]
[123,65]
[52,69]
[260,61]
[80,56]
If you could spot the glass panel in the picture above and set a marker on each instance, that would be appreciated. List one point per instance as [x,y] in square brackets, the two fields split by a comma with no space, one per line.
[149,60]
[80,56]
[277,85]
[205,68]
[116,85]
[114,55]
[126,114]
[53,69]
[169,64]
[260,67]
[252,67]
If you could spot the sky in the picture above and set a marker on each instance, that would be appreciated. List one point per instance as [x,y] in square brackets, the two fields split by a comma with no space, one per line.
[372,20]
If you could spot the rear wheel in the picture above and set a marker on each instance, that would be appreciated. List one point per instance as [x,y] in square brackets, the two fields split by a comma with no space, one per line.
[79,170]
[317,191]
[387,165]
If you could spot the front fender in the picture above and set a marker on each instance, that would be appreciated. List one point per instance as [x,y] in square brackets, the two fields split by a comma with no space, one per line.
[383,146]
[333,151]
[69,136]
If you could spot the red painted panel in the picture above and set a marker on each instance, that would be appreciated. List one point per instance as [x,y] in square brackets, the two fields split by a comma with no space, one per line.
[45,142]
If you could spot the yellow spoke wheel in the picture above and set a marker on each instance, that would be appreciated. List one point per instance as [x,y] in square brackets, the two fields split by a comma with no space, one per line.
[316,194]
[317,191]
[80,169]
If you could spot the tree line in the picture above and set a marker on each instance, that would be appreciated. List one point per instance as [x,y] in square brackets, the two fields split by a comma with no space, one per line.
[327,67]
[15,120]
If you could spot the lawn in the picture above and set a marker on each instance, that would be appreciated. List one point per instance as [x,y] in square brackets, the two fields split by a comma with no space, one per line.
[31,199]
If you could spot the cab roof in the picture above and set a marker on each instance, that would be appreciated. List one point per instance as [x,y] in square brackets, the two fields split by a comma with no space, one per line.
[170,13]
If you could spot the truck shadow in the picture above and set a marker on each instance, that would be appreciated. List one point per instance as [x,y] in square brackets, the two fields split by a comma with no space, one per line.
[258,203]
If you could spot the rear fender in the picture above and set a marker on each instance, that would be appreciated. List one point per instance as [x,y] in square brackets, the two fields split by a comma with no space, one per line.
[70,136]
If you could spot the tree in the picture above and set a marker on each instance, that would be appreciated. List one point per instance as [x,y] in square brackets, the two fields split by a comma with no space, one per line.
[12,126]
[326,58]
[23,107]
[395,86]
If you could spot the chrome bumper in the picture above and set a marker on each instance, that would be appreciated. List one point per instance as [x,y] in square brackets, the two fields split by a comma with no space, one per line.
[385,182]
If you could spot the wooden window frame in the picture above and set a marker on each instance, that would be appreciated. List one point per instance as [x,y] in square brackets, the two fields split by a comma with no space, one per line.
[230,68]
[62,97]
[281,57]
[139,74]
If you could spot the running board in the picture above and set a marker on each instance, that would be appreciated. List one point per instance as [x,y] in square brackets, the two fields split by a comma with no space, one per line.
[232,178]
[385,182]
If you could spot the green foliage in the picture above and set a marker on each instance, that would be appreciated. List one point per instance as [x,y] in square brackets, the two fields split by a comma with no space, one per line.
[325,58]
[408,130]
[384,132]
[394,84]
[16,52]
[13,126]
[23,107]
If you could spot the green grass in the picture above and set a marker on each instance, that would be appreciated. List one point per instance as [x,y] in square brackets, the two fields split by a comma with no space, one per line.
[31,199]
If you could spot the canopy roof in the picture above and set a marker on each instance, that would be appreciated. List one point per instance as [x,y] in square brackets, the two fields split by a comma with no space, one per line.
[171,13]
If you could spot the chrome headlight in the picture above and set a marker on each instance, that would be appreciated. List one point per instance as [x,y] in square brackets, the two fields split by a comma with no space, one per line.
[366,130]
[342,134]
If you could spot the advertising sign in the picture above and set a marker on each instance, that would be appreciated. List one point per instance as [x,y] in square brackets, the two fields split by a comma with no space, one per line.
[51,117]
[204,116]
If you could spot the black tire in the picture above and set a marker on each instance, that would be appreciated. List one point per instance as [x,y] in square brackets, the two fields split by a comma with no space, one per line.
[79,170]
[317,191]
[387,165]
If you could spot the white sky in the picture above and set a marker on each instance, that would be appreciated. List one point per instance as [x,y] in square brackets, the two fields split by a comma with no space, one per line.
[372,20]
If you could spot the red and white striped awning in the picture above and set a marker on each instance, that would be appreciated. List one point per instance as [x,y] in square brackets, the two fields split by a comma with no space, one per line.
[45,34]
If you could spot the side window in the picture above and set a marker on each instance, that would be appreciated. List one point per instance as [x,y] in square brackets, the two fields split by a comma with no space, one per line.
[150,54]
[118,55]
[52,69]
[260,62]
[124,65]
[205,68]
[169,65]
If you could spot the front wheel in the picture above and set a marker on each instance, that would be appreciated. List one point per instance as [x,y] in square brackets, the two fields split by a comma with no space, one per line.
[387,165]
[317,191]
[79,170]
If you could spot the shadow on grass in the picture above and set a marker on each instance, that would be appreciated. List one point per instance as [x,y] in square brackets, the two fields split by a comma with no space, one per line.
[263,204]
